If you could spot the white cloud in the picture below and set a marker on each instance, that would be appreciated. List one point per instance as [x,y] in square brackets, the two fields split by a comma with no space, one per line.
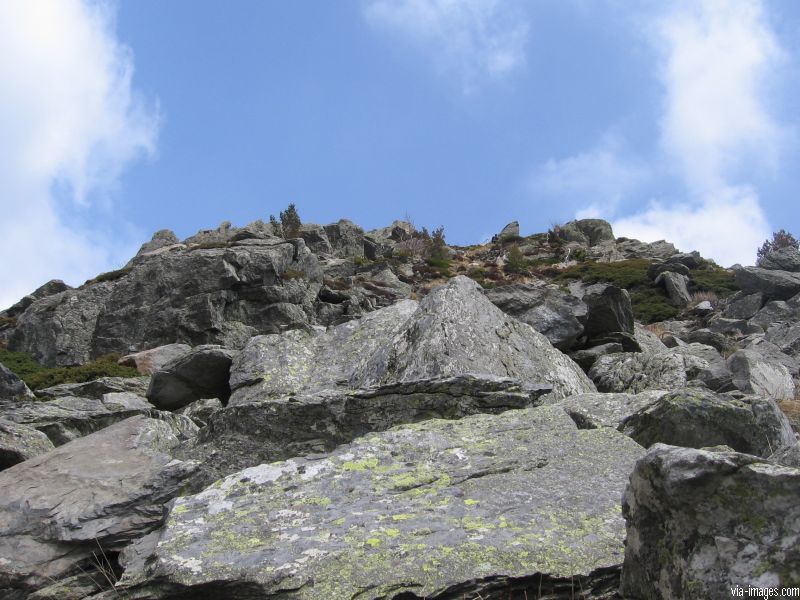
[71,121]
[596,180]
[717,58]
[727,227]
[472,39]
[718,54]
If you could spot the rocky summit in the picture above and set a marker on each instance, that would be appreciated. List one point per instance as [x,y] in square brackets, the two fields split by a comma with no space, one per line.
[341,414]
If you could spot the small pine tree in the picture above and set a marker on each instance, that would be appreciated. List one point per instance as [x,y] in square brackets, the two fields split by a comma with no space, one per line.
[515,262]
[780,239]
[276,227]
[438,257]
[290,222]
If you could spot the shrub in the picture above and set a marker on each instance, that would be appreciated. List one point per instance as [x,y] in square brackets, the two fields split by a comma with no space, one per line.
[515,262]
[438,258]
[713,279]
[290,222]
[292,274]
[361,261]
[105,366]
[276,227]
[110,276]
[21,363]
[780,239]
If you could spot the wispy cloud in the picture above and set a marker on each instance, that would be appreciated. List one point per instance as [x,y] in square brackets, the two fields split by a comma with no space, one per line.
[593,182]
[714,61]
[473,40]
[71,121]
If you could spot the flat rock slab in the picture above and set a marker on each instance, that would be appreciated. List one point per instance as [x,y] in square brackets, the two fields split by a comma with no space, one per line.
[248,434]
[596,409]
[488,504]
[98,388]
[101,491]
[634,372]
[68,418]
[701,522]
[18,443]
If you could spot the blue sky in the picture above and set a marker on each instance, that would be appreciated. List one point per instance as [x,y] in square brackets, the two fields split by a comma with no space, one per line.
[673,120]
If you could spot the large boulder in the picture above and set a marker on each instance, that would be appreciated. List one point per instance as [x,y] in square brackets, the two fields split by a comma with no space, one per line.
[783,259]
[755,374]
[203,294]
[775,285]
[316,238]
[148,362]
[697,418]
[597,409]
[609,310]
[54,286]
[12,388]
[557,315]
[510,231]
[519,503]
[743,306]
[94,495]
[638,371]
[67,418]
[786,338]
[18,443]
[201,373]
[452,331]
[705,363]
[589,232]
[161,239]
[248,434]
[346,238]
[701,524]
[676,286]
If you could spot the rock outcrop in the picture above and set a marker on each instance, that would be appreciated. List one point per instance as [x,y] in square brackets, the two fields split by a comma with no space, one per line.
[203,372]
[701,523]
[480,506]
[12,389]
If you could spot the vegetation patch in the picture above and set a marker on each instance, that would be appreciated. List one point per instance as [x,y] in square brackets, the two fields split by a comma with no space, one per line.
[110,276]
[713,279]
[7,322]
[292,274]
[38,377]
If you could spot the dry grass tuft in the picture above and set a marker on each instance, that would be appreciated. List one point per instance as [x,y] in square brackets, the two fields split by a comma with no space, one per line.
[702,296]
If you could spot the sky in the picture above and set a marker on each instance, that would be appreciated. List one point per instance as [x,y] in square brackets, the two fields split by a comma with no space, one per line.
[673,120]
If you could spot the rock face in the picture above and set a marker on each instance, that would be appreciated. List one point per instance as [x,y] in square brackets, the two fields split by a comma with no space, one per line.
[775,285]
[481,506]
[12,388]
[200,373]
[194,295]
[557,315]
[248,434]
[700,523]
[609,310]
[696,418]
[67,418]
[784,259]
[54,286]
[103,490]
[18,443]
[754,374]
[454,330]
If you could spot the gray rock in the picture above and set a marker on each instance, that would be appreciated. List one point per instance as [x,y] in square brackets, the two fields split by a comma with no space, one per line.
[67,418]
[557,315]
[700,523]
[593,410]
[732,327]
[148,362]
[160,239]
[777,311]
[648,341]
[660,250]
[744,306]
[315,238]
[201,373]
[708,338]
[772,352]
[97,388]
[12,388]
[398,231]
[696,418]
[590,232]
[376,248]
[509,231]
[788,456]
[703,309]
[54,286]
[676,286]
[452,331]
[200,411]
[654,270]
[472,507]
[709,366]
[755,374]
[101,491]
[636,372]
[588,356]
[196,295]
[783,259]
[775,285]
[609,310]
[248,434]
[346,238]
[786,338]
[18,443]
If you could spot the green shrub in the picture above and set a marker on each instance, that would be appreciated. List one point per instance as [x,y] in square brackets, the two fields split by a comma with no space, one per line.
[290,222]
[105,366]
[650,305]
[21,363]
[713,279]
[516,263]
[361,261]
[110,276]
